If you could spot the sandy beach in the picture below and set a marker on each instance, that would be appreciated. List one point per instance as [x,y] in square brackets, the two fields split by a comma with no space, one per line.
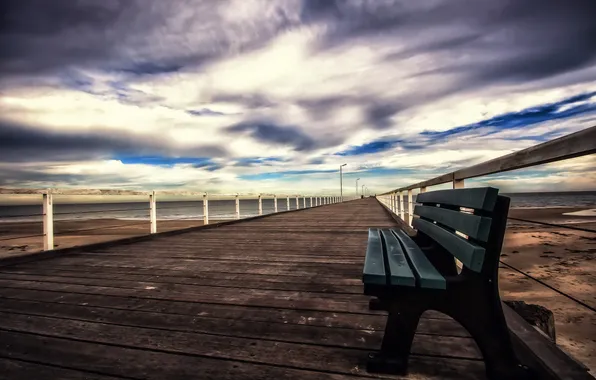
[72,233]
[563,258]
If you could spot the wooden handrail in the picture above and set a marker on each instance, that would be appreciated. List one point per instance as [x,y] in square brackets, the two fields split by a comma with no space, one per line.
[574,145]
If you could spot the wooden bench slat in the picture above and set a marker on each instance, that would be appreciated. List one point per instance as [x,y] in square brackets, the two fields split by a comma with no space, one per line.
[471,255]
[374,265]
[427,274]
[483,198]
[400,272]
[477,227]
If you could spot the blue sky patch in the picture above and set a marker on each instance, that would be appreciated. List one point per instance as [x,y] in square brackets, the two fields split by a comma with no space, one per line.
[197,162]
[563,109]
[283,174]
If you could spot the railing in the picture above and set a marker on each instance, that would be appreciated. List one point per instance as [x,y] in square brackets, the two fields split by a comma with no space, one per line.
[292,202]
[574,145]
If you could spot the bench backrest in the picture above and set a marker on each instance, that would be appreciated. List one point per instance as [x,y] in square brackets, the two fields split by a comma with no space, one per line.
[478,213]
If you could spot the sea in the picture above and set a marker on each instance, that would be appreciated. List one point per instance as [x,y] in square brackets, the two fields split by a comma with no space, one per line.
[225,209]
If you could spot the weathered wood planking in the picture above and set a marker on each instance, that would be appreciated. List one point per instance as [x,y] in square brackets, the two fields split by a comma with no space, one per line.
[277,297]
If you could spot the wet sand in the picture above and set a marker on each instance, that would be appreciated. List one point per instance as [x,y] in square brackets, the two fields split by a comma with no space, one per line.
[563,258]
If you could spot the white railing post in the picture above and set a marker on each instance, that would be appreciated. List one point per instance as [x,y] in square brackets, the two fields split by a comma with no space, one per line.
[310,201]
[401,205]
[410,207]
[48,221]
[297,203]
[260,205]
[275,203]
[237,202]
[458,183]
[303,202]
[205,209]
[153,212]
[287,203]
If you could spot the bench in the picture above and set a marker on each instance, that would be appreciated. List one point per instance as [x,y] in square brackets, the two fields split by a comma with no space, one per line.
[409,276]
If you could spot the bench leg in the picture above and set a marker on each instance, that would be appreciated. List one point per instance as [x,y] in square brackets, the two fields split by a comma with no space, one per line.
[486,323]
[376,304]
[397,341]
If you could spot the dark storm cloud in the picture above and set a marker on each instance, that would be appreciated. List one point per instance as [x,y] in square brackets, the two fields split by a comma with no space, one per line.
[379,115]
[271,133]
[501,40]
[19,143]
[135,37]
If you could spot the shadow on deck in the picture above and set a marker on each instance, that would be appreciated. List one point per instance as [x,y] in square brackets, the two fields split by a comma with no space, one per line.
[269,298]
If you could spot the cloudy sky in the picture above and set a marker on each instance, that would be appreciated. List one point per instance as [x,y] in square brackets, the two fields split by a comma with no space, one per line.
[273,95]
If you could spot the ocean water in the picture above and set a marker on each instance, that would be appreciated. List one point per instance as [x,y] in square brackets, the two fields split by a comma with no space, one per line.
[225,209]
[175,210]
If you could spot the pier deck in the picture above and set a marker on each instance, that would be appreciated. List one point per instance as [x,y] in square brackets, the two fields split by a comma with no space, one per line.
[269,298]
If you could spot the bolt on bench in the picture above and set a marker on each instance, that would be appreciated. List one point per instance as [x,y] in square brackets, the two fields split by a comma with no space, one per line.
[412,275]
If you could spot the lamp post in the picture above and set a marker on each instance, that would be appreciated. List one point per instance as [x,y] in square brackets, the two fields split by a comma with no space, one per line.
[341,186]
[357,179]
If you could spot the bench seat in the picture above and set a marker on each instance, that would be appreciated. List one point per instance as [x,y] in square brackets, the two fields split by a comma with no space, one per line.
[394,259]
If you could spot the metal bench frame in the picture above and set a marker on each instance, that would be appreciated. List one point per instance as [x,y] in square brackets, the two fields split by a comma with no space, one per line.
[470,297]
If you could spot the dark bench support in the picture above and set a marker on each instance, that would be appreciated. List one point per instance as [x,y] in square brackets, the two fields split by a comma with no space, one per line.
[470,297]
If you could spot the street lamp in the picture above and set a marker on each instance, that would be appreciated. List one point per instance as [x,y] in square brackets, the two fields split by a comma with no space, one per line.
[341,186]
[357,179]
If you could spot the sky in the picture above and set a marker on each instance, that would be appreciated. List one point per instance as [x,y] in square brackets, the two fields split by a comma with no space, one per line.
[272,96]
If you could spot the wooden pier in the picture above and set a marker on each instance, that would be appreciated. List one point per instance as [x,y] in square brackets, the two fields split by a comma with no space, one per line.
[273,297]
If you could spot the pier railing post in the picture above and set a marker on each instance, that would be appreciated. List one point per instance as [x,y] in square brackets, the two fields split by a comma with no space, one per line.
[205,209]
[303,202]
[297,203]
[260,205]
[410,207]
[237,202]
[310,201]
[401,205]
[275,203]
[287,203]
[458,183]
[153,212]
[48,221]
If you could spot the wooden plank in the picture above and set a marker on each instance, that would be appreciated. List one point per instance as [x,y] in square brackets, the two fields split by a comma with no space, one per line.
[131,281]
[427,275]
[163,364]
[239,344]
[482,198]
[374,266]
[11,369]
[141,364]
[475,226]
[263,298]
[470,254]
[540,353]
[399,270]
[168,308]
[181,276]
[290,330]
